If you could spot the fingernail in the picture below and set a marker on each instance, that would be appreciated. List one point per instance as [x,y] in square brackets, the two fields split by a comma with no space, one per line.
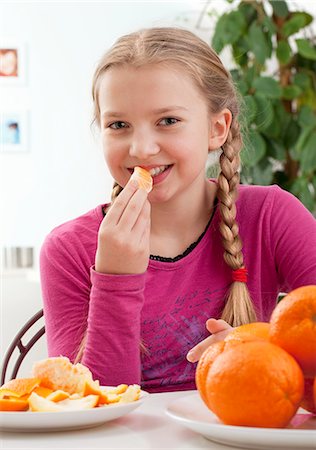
[190,356]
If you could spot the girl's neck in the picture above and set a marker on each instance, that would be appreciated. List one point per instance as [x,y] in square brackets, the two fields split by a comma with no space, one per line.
[178,223]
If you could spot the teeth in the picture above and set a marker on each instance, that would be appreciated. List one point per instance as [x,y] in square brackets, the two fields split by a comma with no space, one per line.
[157,170]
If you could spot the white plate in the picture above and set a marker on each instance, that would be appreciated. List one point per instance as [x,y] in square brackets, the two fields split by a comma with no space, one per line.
[191,412]
[65,420]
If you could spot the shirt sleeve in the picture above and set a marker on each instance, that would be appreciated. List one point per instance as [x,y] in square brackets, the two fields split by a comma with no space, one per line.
[293,241]
[80,302]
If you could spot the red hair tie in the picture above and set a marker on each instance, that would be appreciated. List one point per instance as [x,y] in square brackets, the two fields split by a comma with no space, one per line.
[240,275]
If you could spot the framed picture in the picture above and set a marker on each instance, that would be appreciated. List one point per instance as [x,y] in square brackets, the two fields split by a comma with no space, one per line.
[13,131]
[12,63]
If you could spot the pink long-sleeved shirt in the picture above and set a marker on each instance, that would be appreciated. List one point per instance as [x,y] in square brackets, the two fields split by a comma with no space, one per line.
[166,308]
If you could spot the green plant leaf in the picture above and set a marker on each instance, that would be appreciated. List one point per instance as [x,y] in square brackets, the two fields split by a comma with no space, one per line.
[307,117]
[218,39]
[302,80]
[240,51]
[280,8]
[249,75]
[276,150]
[308,98]
[254,150]
[265,113]
[263,173]
[291,134]
[228,30]
[258,43]
[301,141]
[290,92]
[248,11]
[297,21]
[284,52]
[267,86]
[269,26]
[303,189]
[308,155]
[250,108]
[282,116]
[305,48]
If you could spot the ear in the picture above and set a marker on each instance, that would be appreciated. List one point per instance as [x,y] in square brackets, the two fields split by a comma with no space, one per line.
[219,128]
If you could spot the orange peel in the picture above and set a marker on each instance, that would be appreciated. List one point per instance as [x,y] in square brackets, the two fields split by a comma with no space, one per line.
[20,386]
[13,404]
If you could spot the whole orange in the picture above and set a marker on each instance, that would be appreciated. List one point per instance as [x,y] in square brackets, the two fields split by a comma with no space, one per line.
[258,330]
[204,364]
[309,399]
[239,335]
[314,391]
[293,327]
[254,384]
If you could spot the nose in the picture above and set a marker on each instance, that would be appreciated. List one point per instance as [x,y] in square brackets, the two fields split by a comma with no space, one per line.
[143,145]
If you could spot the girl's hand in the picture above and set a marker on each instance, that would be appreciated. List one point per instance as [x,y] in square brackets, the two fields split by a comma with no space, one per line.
[123,239]
[219,329]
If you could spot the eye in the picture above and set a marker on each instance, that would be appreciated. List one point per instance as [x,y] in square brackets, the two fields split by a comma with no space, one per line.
[169,121]
[117,125]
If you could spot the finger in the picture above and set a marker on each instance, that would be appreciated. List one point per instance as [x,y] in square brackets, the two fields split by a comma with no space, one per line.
[145,238]
[118,206]
[143,221]
[216,325]
[133,210]
[196,352]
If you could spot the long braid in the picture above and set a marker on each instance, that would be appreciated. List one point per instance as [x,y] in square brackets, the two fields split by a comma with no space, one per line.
[238,308]
[116,190]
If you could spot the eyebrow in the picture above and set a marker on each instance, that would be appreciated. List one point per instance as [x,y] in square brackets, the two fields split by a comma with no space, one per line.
[156,111]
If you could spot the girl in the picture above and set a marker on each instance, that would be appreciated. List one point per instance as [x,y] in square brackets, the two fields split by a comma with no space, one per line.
[129,286]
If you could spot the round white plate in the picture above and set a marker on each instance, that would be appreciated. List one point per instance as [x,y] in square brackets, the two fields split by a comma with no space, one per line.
[191,412]
[27,421]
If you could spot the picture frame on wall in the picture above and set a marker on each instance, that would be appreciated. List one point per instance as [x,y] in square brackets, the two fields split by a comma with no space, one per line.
[14,132]
[12,63]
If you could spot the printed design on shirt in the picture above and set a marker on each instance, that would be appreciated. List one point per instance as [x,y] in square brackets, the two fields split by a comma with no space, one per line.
[174,330]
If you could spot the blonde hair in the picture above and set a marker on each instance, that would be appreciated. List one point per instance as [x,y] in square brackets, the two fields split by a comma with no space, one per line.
[182,49]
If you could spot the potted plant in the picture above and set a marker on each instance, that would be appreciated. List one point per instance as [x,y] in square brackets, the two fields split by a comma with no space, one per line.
[274,57]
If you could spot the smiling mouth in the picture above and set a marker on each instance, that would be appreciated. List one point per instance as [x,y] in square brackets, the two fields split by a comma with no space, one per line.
[154,171]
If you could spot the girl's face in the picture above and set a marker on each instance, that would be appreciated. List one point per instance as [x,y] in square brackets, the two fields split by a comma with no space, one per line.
[155,117]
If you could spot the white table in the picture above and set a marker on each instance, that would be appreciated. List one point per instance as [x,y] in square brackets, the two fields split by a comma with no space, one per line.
[147,427]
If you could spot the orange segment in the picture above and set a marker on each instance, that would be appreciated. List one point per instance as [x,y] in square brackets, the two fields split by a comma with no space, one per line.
[38,403]
[143,178]
[58,396]
[13,404]
[106,398]
[91,387]
[43,391]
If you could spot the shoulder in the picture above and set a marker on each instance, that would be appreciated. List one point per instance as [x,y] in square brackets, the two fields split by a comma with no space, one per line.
[261,193]
[83,228]
[265,196]
[271,203]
